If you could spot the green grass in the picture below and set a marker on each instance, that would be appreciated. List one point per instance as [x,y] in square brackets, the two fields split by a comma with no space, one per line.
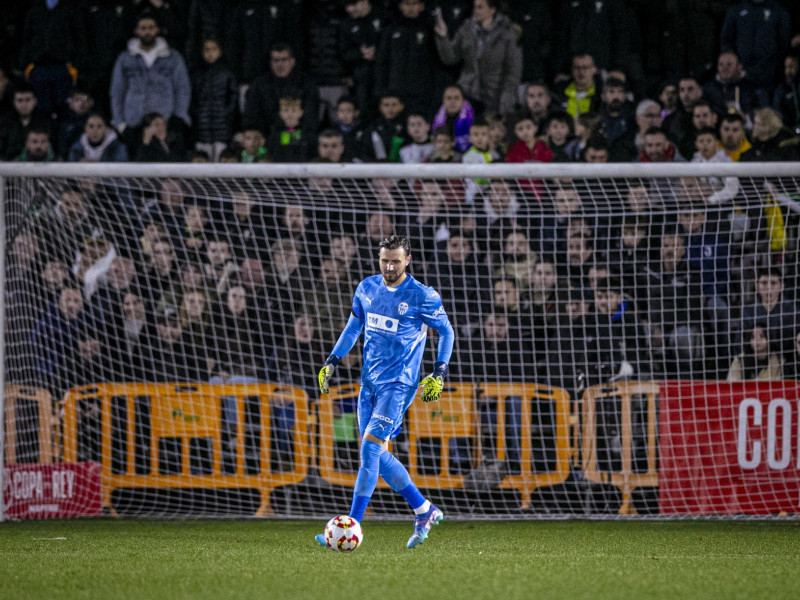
[223,559]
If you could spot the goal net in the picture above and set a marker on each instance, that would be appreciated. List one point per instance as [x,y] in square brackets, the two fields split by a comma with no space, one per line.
[626,338]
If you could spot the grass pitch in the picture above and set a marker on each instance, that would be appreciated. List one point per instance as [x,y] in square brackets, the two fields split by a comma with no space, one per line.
[222,559]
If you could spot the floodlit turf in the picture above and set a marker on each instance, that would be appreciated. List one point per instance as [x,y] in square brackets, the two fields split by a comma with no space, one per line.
[220,559]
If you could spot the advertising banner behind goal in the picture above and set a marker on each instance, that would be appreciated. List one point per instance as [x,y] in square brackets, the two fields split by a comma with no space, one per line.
[52,491]
[730,448]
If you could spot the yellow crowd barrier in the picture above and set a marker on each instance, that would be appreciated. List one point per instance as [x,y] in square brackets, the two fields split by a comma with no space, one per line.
[615,419]
[30,425]
[172,435]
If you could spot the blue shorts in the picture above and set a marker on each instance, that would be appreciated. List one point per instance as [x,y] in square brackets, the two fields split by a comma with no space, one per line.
[381,408]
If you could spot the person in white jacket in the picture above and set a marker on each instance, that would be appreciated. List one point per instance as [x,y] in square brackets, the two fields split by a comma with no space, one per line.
[706,143]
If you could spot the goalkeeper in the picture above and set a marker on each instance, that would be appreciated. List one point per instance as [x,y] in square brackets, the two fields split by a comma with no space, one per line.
[394,310]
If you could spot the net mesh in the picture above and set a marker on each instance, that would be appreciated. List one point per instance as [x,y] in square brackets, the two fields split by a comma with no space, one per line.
[623,345]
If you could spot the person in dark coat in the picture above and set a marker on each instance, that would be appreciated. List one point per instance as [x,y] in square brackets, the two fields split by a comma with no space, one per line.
[215,94]
[262,102]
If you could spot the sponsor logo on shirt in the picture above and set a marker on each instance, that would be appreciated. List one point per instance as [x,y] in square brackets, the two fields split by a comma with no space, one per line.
[384,324]
[439,311]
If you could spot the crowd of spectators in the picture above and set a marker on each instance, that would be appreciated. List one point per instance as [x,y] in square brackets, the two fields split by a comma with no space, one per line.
[565,282]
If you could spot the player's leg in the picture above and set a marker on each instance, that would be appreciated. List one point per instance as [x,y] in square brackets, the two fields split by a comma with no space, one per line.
[397,476]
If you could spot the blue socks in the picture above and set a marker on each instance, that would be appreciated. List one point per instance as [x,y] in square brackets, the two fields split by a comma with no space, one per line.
[396,475]
[367,478]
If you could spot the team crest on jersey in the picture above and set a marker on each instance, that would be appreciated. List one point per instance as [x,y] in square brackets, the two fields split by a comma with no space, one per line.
[402,308]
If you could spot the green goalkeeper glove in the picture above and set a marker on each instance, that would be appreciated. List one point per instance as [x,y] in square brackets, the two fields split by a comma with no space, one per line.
[433,384]
[325,374]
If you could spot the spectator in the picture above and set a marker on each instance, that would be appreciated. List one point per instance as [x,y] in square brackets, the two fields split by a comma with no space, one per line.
[54,341]
[571,344]
[64,227]
[528,148]
[37,147]
[288,282]
[628,147]
[15,125]
[559,127]
[497,135]
[616,113]
[657,148]
[538,101]
[678,126]
[155,145]
[759,32]
[490,79]
[386,135]
[406,58]
[219,268]
[295,224]
[215,94]
[98,143]
[253,146]
[198,326]
[333,296]
[420,148]
[596,150]
[771,141]
[168,356]
[756,362]
[733,139]
[289,141]
[161,275]
[359,36]
[150,77]
[262,101]
[588,126]
[674,311]
[615,352]
[53,52]
[167,209]
[426,221]
[708,151]
[245,224]
[477,154]
[729,91]
[73,123]
[347,125]
[444,147]
[581,92]
[457,115]
[707,250]
[786,99]
[703,116]
[773,311]
[131,330]
[668,97]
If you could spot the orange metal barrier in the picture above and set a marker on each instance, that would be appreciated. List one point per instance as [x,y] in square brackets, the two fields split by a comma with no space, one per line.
[544,428]
[452,418]
[619,437]
[31,425]
[189,435]
[329,468]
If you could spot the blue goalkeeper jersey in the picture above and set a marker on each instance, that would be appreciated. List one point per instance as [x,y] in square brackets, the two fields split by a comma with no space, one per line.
[396,322]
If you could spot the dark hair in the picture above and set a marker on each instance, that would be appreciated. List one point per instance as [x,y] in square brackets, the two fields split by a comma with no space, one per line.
[772,271]
[596,142]
[282,47]
[731,118]
[614,82]
[393,242]
[706,131]
[229,153]
[148,119]
[346,99]
[443,130]
[330,133]
[655,131]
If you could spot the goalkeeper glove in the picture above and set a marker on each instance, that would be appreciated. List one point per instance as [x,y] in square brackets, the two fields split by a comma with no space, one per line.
[325,373]
[432,385]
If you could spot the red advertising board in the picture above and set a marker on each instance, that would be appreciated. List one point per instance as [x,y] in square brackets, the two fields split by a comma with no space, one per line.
[51,491]
[729,448]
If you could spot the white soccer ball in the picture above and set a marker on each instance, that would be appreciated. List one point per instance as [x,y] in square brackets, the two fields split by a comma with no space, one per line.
[343,533]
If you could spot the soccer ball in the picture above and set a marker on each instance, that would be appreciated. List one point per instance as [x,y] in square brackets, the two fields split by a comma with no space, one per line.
[343,533]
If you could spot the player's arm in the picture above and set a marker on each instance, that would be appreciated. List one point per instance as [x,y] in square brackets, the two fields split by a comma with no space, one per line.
[345,343]
[435,317]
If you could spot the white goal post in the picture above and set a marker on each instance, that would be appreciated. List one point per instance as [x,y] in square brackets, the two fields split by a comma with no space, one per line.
[626,337]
